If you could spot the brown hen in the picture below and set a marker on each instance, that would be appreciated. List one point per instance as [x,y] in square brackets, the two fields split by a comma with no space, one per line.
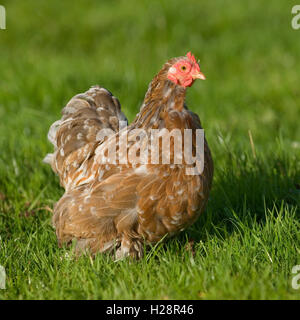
[116,205]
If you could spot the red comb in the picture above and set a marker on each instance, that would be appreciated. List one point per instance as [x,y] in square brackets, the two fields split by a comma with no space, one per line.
[191,57]
[193,60]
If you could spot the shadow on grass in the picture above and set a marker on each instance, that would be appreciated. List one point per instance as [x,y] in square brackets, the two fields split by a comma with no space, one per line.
[247,189]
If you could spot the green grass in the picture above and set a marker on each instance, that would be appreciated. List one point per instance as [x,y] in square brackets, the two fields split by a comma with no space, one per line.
[245,245]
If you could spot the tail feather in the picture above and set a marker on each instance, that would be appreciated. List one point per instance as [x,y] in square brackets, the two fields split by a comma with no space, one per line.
[74,136]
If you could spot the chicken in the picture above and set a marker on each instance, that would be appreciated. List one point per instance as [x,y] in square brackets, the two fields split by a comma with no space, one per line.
[115,205]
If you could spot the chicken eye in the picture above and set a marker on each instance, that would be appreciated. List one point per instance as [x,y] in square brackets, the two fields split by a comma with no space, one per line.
[183,68]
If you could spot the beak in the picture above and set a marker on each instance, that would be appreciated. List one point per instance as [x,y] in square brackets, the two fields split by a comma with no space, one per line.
[199,75]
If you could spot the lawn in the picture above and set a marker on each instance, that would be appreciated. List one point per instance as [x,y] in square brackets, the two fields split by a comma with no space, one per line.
[246,243]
